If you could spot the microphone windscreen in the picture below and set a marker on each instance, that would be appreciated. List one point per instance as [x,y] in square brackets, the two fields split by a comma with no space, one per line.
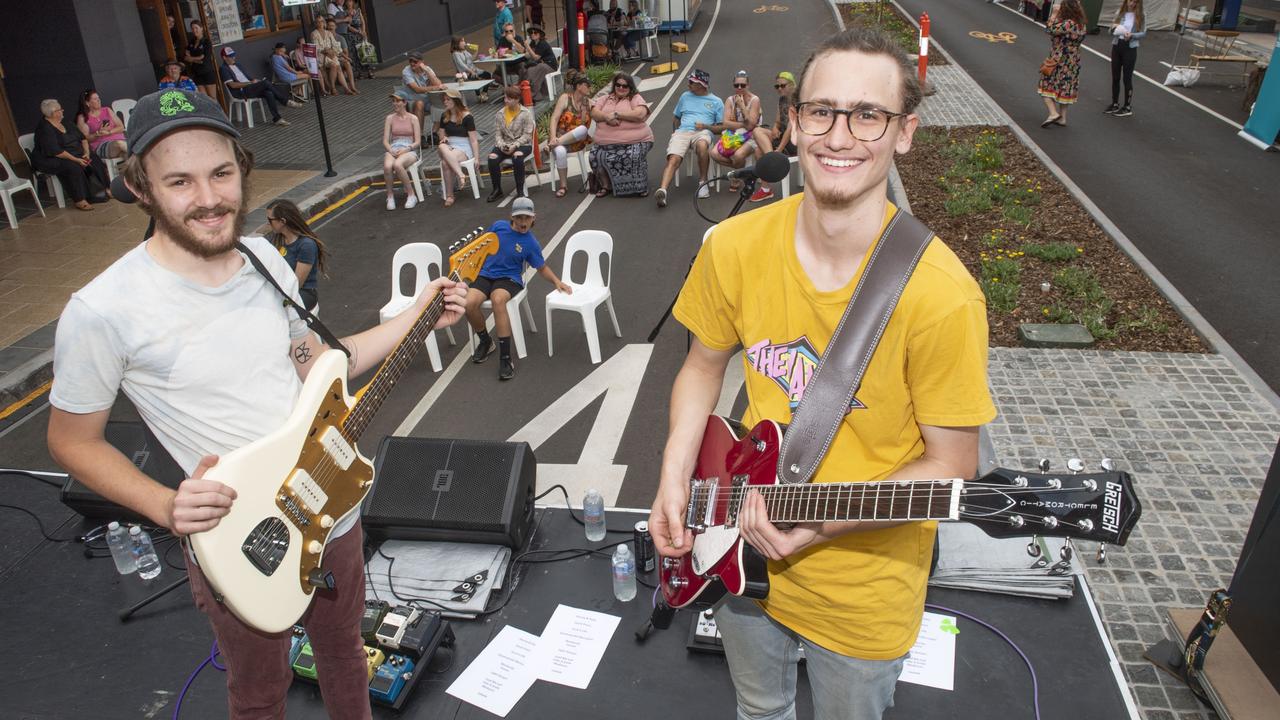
[121,192]
[773,166]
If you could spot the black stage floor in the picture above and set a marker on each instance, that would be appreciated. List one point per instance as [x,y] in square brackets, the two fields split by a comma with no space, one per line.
[79,661]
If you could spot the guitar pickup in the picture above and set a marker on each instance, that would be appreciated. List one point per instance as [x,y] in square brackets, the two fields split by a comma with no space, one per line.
[731,513]
[337,448]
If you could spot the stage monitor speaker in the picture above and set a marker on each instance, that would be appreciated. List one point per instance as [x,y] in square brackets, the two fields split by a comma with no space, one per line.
[134,439]
[453,490]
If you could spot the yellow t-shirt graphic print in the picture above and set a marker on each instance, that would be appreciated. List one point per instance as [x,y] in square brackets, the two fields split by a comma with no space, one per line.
[861,594]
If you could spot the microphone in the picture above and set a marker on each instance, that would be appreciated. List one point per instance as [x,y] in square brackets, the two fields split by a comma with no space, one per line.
[121,192]
[773,166]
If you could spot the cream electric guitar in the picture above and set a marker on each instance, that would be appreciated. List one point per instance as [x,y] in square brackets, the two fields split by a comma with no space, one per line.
[294,485]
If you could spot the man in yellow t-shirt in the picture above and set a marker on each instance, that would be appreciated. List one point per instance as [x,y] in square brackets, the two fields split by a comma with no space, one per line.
[775,282]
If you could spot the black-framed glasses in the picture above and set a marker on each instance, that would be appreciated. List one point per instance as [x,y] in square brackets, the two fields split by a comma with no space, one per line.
[867,124]
[780,86]
[739,85]
[622,85]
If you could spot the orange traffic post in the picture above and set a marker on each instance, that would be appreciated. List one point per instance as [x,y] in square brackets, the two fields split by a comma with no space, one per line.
[526,98]
[582,41]
[923,67]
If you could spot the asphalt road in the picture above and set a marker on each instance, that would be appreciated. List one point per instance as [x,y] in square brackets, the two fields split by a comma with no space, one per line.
[1189,194]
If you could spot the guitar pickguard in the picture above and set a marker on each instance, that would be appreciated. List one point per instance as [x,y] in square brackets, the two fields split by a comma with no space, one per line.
[711,545]
[325,484]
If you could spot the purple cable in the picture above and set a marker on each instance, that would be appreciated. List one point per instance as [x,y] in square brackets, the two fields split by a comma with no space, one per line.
[213,658]
[1035,686]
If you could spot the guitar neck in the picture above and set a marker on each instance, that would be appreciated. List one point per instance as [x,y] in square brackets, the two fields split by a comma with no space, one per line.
[389,373]
[879,501]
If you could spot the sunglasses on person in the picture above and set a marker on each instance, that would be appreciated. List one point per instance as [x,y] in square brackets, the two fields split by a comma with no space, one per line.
[780,86]
[622,86]
[739,85]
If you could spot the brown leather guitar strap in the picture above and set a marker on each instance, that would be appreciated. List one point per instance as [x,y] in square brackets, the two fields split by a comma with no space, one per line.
[839,373]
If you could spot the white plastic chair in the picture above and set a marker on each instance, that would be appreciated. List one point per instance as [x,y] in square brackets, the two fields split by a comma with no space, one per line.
[244,106]
[786,181]
[10,186]
[420,189]
[52,183]
[555,83]
[690,164]
[124,109]
[519,303]
[590,292]
[427,261]
[469,167]
[584,167]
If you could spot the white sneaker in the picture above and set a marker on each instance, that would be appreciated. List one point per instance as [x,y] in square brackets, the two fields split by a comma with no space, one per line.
[661,195]
[410,202]
[704,192]
[391,202]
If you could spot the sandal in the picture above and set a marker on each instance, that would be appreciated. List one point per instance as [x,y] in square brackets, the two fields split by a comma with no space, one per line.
[602,192]
[560,191]
[448,202]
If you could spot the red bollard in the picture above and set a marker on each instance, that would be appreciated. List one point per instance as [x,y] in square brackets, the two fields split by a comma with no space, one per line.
[582,41]
[526,98]
[923,67]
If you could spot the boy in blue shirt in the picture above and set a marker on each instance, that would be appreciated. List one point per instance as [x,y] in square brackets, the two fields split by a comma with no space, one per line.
[501,277]
[698,117]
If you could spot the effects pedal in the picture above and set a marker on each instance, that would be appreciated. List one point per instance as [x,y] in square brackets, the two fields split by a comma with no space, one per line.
[416,640]
[391,629]
[305,664]
[374,611]
[390,677]
[298,639]
[376,658]
[703,634]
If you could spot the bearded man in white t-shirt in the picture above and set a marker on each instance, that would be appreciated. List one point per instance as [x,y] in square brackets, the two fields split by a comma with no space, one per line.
[202,345]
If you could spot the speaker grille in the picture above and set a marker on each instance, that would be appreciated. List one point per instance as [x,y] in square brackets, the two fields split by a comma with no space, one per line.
[465,490]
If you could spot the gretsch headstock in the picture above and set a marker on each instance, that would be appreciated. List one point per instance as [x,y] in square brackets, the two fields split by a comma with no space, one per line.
[1085,506]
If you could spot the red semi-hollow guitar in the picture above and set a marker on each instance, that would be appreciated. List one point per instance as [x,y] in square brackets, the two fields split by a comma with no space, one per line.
[1003,503]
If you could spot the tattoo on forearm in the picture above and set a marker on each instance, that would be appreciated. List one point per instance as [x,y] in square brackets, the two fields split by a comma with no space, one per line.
[302,354]
[355,354]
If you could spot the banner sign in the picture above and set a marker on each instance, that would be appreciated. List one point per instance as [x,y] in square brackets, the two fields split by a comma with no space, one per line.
[1264,121]
[224,16]
[313,64]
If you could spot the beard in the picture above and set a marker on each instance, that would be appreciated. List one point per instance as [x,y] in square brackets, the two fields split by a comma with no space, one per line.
[175,228]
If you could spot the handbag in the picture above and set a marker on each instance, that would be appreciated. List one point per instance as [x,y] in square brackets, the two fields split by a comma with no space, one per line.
[1048,66]
[367,52]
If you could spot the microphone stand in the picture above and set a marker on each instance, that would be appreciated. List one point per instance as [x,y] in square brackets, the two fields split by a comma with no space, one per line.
[748,189]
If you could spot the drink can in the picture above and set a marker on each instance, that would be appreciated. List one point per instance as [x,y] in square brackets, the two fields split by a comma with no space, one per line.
[646,558]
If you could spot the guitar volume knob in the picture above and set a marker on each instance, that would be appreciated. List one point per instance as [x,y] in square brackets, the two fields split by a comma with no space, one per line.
[326,521]
[314,547]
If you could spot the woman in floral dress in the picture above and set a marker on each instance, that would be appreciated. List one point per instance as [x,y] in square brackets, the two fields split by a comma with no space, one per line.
[1066,28]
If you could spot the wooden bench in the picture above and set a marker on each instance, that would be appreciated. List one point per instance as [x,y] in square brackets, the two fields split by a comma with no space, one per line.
[1217,48]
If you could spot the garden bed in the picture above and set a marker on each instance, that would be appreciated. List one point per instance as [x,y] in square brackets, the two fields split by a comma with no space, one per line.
[1015,227]
[885,16]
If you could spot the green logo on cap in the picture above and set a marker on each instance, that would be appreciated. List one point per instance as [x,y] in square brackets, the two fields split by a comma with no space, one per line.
[173,102]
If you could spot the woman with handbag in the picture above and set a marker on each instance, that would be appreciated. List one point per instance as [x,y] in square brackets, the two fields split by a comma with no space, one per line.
[1060,72]
[1129,27]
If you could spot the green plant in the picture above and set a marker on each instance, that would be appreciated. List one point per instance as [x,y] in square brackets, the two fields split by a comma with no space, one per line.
[1088,302]
[994,238]
[1020,214]
[1052,252]
[600,75]
[999,280]
[1147,319]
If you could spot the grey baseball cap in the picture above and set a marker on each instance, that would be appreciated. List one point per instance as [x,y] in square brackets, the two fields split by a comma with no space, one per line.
[522,206]
[162,112]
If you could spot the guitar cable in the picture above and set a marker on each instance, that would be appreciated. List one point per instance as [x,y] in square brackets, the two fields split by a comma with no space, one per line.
[1035,684]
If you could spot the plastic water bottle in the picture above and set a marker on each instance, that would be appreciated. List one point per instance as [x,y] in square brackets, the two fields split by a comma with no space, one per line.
[144,553]
[118,542]
[624,573]
[593,514]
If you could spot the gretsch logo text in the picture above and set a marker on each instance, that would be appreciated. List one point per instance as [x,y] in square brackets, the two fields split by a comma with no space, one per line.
[1111,508]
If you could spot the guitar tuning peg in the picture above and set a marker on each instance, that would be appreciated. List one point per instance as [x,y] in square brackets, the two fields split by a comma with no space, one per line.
[1102,553]
[1067,551]
[1033,547]
[1107,465]
[1075,465]
[1044,465]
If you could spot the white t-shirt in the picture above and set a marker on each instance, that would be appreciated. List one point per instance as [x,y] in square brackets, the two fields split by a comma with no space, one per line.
[208,368]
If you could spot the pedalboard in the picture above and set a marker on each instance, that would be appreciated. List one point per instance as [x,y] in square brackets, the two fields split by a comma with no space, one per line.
[374,611]
[394,670]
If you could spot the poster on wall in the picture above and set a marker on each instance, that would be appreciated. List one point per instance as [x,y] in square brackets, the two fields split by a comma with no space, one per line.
[313,64]
[224,21]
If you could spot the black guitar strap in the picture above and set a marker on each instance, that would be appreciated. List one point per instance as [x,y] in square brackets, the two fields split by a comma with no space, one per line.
[312,321]
[839,373]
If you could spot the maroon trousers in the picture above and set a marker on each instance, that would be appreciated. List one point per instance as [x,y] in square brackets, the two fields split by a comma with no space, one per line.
[258,671]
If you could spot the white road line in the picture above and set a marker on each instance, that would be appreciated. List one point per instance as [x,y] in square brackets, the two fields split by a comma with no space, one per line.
[1157,83]
[441,384]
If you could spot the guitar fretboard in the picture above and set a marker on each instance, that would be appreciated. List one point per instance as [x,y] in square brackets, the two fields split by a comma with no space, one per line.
[889,500]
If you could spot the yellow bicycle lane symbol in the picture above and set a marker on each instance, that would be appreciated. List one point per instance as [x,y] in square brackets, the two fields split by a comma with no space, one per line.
[770,8]
[1007,37]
